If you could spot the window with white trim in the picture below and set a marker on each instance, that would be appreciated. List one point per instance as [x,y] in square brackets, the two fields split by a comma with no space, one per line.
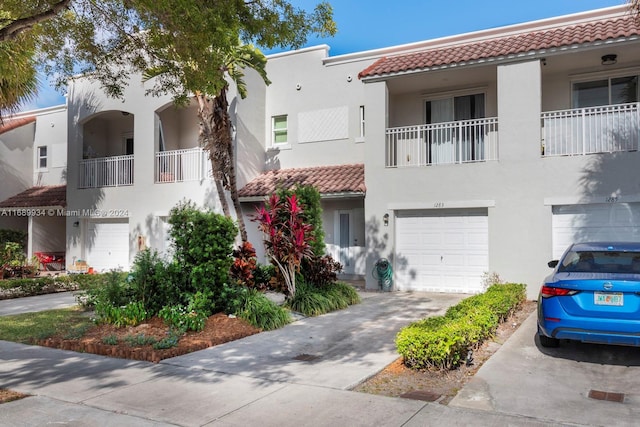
[42,157]
[279,134]
[361,136]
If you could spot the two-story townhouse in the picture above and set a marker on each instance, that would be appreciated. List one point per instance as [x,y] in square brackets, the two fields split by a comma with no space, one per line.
[313,117]
[492,151]
[482,152]
[132,159]
[33,160]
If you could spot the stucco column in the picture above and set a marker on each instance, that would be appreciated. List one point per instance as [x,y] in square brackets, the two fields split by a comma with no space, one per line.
[519,107]
[379,241]
[520,219]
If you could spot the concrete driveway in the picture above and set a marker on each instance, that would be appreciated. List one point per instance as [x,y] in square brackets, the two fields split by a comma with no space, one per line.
[556,383]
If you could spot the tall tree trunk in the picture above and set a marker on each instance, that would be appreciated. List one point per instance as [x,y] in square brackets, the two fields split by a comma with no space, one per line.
[215,136]
[222,196]
[206,138]
[224,140]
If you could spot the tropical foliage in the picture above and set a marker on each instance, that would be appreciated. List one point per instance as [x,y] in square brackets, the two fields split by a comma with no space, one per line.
[286,236]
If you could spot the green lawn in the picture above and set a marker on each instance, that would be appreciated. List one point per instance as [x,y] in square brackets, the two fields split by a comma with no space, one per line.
[28,327]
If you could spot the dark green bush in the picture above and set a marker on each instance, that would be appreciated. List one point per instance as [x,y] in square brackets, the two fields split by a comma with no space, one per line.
[152,281]
[17,236]
[110,288]
[203,244]
[260,311]
[309,301]
[347,291]
[441,342]
[312,300]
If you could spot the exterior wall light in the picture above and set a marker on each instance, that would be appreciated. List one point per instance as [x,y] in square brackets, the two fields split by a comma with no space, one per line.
[76,224]
[385,219]
[610,59]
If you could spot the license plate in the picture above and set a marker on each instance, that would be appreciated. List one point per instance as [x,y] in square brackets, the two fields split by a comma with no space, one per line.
[608,298]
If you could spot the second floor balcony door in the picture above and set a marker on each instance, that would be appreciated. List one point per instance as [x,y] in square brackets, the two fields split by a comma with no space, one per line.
[453,136]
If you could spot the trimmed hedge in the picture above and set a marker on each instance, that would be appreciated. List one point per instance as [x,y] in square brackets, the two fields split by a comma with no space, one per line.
[16,288]
[441,342]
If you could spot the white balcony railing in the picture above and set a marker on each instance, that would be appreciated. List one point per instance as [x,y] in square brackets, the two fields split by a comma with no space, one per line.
[461,141]
[604,129]
[182,165]
[112,171]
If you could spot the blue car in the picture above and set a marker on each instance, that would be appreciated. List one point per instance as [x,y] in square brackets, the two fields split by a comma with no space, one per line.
[593,295]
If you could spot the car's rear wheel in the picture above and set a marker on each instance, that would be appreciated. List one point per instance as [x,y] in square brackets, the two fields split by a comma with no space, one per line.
[546,341]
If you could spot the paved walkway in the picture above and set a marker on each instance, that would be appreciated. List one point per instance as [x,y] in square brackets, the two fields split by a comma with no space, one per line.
[298,375]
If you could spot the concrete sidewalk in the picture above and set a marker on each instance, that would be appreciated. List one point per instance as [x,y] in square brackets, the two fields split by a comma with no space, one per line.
[297,375]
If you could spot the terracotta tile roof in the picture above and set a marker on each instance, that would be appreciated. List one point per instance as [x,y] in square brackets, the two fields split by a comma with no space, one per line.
[10,124]
[540,40]
[38,197]
[327,179]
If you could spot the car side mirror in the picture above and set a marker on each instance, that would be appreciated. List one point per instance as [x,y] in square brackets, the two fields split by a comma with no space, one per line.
[552,264]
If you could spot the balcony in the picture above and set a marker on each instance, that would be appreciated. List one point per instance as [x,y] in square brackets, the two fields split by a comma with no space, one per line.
[604,129]
[115,171]
[182,165]
[463,141]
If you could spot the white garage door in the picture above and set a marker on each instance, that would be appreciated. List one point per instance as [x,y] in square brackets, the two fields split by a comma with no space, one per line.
[441,251]
[594,222]
[107,245]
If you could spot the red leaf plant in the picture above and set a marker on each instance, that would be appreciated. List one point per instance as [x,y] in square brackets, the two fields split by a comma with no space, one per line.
[286,236]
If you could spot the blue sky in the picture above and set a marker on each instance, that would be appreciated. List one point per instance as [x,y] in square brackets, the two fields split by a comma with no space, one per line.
[371,24]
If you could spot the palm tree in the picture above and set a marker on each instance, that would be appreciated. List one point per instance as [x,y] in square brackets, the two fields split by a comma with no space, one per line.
[18,75]
[215,123]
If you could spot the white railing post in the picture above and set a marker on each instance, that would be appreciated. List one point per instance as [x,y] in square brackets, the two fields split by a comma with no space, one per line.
[442,143]
[603,129]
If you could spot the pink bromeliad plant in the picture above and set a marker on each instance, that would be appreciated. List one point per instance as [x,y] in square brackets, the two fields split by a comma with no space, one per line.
[286,236]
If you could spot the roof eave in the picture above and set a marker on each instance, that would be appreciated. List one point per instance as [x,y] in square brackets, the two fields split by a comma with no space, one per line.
[323,196]
[33,209]
[504,59]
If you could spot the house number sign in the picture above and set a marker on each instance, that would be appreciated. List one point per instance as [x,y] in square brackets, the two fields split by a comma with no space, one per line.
[438,205]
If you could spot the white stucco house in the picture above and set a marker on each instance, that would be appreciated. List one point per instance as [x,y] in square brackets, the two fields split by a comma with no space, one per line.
[33,167]
[482,152]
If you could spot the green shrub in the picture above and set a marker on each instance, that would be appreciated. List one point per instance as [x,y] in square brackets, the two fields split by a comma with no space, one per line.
[171,340]
[347,291]
[262,275]
[182,318]
[108,289]
[203,244]
[261,312]
[130,314]
[17,236]
[152,282]
[24,287]
[110,339]
[441,342]
[424,348]
[310,301]
[139,340]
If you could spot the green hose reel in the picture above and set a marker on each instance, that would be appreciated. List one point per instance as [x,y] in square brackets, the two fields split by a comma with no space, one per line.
[383,273]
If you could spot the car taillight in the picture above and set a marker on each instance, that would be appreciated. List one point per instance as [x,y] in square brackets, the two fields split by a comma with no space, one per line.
[548,292]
